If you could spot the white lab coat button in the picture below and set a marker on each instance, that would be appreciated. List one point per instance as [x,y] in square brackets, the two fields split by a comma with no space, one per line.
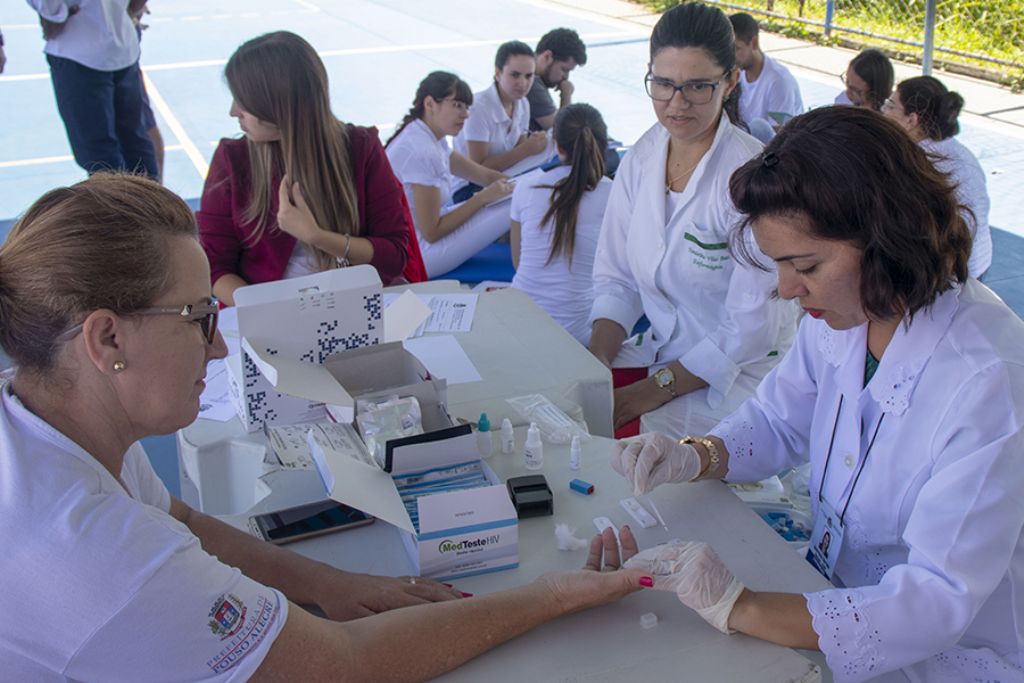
[848,461]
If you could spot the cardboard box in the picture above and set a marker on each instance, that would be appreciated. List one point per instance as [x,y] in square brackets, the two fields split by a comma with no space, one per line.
[305,320]
[460,533]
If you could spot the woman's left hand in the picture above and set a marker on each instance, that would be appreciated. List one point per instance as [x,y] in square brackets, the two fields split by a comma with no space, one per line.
[360,595]
[637,399]
[293,214]
[605,553]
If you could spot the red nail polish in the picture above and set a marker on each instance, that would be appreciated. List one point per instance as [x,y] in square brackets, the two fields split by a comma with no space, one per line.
[466,595]
[448,584]
[646,582]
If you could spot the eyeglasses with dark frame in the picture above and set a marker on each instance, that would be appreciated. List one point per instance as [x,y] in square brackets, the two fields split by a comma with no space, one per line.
[206,314]
[694,92]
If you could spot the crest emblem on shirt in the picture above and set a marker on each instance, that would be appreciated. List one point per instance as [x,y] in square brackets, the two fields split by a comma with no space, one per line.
[226,616]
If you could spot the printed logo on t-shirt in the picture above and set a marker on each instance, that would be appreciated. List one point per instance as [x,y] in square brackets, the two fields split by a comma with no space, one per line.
[227,616]
[247,628]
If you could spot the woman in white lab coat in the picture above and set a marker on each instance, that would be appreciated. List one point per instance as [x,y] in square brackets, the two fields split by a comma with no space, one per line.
[928,111]
[715,328]
[905,391]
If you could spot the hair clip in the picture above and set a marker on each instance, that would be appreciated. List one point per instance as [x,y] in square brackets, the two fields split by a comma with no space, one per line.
[770,159]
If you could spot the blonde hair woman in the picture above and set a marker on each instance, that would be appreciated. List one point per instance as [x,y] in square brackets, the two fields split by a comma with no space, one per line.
[302,191]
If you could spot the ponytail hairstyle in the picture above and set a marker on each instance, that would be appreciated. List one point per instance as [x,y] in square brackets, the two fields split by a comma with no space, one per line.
[279,78]
[937,108]
[438,85]
[581,133]
[702,26]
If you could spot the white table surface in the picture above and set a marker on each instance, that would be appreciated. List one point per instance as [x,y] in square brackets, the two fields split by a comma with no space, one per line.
[517,349]
[605,644]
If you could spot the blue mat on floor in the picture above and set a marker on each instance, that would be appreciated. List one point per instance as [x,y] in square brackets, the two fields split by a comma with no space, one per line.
[493,262]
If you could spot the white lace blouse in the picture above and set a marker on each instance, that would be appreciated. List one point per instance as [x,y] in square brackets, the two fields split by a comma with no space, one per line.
[930,579]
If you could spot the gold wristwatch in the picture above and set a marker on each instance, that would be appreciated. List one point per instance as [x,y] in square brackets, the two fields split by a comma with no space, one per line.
[666,379]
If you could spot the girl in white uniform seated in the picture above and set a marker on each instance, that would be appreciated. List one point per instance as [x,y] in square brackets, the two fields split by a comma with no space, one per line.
[716,329]
[905,392]
[868,80]
[497,134]
[448,233]
[556,220]
[928,111]
[105,308]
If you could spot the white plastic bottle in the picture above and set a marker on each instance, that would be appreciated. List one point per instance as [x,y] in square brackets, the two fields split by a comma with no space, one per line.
[484,440]
[574,453]
[533,450]
[508,437]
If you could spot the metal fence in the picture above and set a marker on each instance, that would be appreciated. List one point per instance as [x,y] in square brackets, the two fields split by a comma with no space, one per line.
[984,38]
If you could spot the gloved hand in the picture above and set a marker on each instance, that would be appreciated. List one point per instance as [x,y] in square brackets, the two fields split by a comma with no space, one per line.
[651,459]
[698,577]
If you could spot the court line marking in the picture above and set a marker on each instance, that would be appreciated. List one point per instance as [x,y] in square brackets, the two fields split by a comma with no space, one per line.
[346,52]
[160,104]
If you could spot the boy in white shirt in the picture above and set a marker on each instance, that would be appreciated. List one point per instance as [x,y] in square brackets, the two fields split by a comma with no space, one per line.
[768,92]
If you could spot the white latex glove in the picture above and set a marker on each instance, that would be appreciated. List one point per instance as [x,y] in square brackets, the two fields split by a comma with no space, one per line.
[652,459]
[698,577]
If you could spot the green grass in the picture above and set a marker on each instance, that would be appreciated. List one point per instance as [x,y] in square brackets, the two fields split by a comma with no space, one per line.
[993,28]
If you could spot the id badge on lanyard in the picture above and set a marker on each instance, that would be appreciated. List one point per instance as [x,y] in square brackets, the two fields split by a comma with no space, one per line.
[829,525]
[826,540]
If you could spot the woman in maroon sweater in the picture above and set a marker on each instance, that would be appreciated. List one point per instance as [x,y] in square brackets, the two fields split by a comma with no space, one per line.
[302,192]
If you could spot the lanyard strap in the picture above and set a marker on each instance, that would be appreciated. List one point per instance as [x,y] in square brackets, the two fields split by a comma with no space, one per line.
[864,461]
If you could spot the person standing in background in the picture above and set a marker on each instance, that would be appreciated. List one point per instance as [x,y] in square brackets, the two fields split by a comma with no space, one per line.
[93,51]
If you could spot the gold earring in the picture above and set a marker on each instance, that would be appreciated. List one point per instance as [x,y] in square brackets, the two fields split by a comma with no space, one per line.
[119,365]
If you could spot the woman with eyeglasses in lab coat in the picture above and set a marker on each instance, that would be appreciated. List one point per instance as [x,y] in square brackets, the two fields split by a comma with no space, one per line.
[716,329]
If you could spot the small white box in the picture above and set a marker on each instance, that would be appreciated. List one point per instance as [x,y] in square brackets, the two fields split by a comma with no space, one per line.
[461,533]
[299,321]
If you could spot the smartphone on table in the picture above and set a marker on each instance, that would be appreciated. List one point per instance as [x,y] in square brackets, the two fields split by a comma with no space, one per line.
[306,521]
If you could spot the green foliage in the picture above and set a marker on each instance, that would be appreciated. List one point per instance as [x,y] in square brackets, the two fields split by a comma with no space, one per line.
[992,28]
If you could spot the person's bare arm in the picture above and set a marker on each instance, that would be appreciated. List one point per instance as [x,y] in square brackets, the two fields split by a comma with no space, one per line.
[528,145]
[780,618]
[606,337]
[515,238]
[340,595]
[419,643]
[474,172]
[225,286]
[433,226]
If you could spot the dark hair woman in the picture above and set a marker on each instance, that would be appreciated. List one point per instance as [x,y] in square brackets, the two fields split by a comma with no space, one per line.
[556,221]
[905,392]
[449,233]
[868,78]
[924,108]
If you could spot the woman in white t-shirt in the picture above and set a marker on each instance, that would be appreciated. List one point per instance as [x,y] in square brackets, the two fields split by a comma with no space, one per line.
[448,233]
[105,307]
[928,111]
[556,220]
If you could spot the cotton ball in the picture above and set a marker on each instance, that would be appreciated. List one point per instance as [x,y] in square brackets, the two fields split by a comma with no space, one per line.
[566,538]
